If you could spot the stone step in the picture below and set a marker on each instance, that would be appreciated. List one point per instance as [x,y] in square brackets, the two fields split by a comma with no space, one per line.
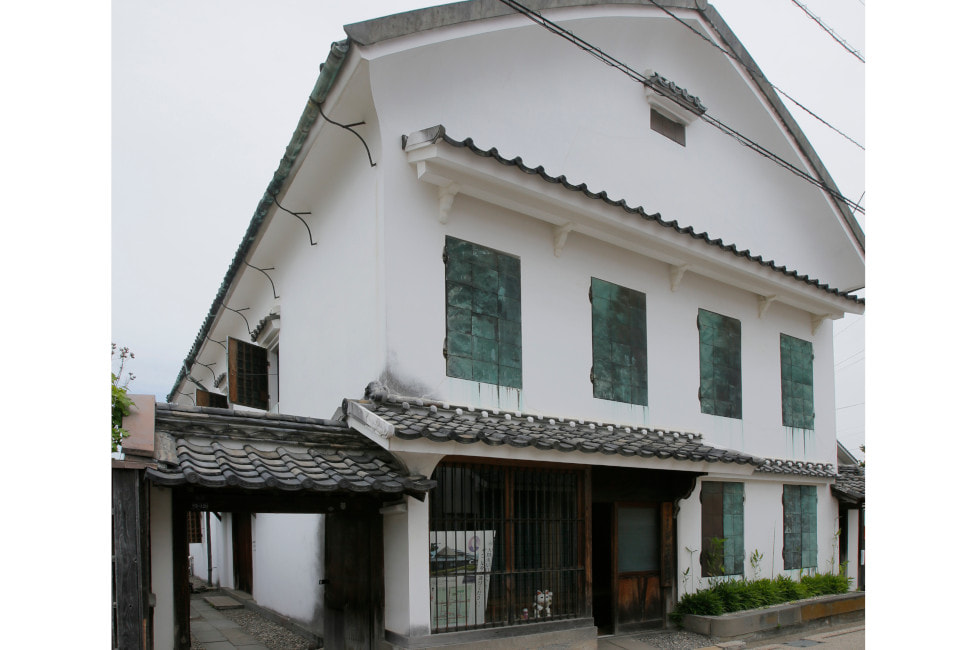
[223,602]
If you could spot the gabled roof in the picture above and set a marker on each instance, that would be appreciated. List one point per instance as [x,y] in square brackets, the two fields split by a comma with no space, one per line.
[221,448]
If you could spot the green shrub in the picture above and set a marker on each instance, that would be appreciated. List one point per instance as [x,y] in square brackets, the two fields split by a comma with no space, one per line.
[736,595]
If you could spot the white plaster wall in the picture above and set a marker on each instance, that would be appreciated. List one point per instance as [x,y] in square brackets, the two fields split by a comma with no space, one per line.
[763,532]
[533,95]
[199,551]
[161,554]
[288,564]
[557,332]
[406,570]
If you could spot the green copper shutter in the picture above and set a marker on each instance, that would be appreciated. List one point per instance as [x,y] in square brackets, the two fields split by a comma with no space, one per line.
[619,343]
[808,505]
[720,364]
[734,528]
[722,517]
[796,358]
[799,535]
[483,288]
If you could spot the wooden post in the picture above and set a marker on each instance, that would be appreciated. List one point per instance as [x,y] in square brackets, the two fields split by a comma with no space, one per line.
[209,552]
[181,569]
[128,510]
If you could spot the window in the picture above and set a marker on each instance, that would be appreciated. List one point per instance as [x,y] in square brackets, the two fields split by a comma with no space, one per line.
[667,127]
[722,528]
[483,314]
[619,343]
[206,398]
[506,545]
[797,382]
[247,374]
[194,528]
[799,526]
[720,354]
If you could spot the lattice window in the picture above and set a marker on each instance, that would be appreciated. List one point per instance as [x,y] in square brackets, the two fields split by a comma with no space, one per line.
[720,361]
[483,314]
[722,528]
[194,528]
[247,374]
[797,382]
[799,523]
[501,536]
[668,127]
[619,343]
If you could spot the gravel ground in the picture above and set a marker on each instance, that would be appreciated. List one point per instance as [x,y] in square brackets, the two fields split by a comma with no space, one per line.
[267,632]
[676,640]
[263,629]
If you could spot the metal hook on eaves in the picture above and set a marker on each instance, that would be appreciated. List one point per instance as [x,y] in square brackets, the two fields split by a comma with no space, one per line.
[237,311]
[348,127]
[209,366]
[264,271]
[294,214]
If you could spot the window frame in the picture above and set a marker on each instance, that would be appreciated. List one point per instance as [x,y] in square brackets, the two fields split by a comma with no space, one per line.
[619,343]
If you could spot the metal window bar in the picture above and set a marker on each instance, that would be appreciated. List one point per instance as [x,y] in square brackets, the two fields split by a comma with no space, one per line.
[499,537]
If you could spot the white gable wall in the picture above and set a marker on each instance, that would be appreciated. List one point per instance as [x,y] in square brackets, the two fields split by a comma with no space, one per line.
[534,95]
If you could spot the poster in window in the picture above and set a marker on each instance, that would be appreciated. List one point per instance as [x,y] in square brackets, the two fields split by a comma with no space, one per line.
[459,565]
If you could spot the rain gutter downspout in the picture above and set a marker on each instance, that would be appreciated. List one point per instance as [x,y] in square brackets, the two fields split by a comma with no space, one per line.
[328,73]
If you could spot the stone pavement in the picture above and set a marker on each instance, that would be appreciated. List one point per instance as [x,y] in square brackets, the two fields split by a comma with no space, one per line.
[841,637]
[213,631]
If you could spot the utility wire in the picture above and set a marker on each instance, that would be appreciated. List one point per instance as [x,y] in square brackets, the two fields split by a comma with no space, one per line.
[636,76]
[734,56]
[846,46]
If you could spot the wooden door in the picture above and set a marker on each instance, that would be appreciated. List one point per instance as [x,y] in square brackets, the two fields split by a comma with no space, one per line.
[243,566]
[637,566]
[353,579]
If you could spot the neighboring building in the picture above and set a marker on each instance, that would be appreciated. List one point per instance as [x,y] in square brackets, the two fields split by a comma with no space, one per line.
[614,401]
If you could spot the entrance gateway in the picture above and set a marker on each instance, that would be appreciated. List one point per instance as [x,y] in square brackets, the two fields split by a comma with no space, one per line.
[634,546]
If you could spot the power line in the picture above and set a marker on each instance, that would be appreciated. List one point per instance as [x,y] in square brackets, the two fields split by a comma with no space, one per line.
[609,60]
[734,56]
[846,46]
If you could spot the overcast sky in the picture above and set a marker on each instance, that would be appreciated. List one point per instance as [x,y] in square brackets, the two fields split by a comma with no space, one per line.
[206,96]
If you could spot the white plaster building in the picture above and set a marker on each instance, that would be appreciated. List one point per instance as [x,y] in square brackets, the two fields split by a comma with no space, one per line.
[598,321]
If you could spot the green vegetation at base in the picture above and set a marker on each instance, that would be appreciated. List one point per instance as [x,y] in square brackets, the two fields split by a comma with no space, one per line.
[725,596]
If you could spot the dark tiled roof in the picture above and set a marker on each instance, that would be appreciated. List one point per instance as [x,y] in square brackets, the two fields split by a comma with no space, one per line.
[851,484]
[671,90]
[414,418]
[797,467]
[437,133]
[221,448]
[262,324]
